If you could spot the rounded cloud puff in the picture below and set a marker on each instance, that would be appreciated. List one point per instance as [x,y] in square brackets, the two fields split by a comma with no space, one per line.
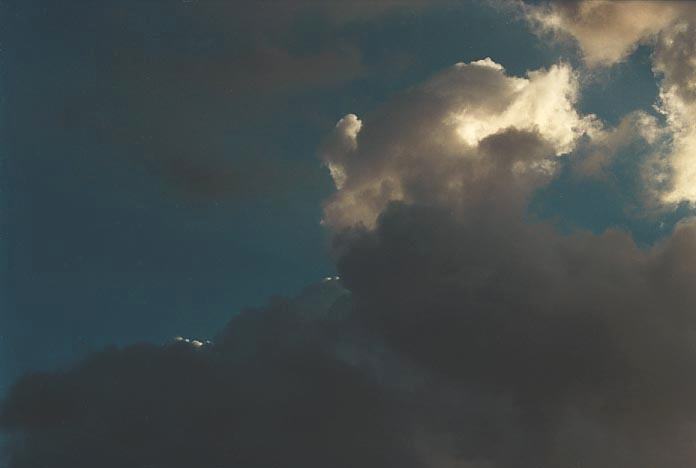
[447,119]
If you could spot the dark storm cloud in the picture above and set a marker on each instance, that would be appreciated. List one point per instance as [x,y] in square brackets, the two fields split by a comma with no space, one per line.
[472,336]
[575,331]
[270,392]
[586,339]
[514,347]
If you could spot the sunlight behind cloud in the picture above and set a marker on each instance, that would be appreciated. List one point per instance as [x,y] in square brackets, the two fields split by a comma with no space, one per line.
[543,102]
[451,116]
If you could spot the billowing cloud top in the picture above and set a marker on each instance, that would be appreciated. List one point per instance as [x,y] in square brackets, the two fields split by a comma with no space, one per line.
[449,121]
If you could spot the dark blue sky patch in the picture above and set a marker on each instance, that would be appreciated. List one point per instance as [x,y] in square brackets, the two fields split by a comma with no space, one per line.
[613,92]
[614,199]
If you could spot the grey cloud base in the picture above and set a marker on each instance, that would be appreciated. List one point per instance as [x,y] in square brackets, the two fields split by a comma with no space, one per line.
[270,392]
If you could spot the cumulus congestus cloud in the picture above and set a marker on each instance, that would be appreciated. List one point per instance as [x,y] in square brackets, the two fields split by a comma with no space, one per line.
[466,129]
[462,332]
[568,349]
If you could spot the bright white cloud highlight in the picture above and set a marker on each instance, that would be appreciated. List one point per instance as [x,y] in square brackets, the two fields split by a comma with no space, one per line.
[608,32]
[447,119]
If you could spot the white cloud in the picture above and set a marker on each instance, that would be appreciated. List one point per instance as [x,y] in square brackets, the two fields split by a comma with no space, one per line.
[544,102]
[193,342]
[344,142]
[447,119]
[607,32]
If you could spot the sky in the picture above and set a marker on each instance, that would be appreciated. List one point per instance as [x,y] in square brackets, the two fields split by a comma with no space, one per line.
[315,233]
[155,188]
